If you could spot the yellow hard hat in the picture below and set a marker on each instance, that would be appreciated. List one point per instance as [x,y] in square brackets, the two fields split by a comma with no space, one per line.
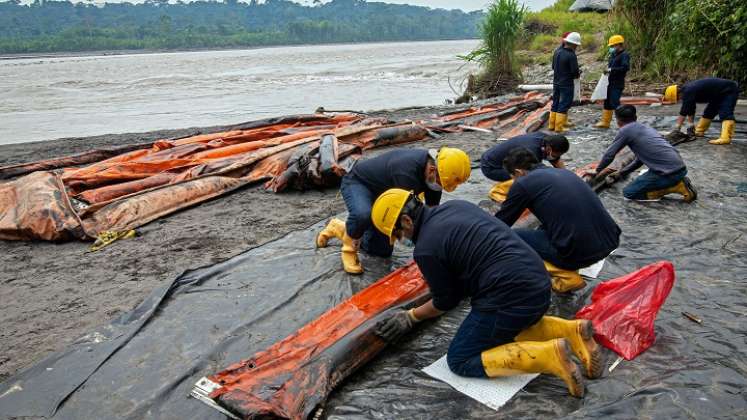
[615,39]
[670,94]
[453,167]
[386,210]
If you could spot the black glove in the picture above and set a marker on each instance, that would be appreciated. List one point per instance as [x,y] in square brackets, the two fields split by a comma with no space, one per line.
[394,327]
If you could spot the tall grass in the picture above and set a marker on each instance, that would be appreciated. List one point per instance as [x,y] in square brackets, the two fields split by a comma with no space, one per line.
[501,29]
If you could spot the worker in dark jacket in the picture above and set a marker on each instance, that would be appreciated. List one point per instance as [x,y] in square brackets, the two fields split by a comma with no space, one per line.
[419,170]
[618,66]
[543,146]
[666,171]
[463,252]
[565,70]
[720,95]
[576,229]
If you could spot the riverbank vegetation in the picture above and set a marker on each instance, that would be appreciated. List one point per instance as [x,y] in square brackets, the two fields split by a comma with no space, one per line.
[500,31]
[669,40]
[62,26]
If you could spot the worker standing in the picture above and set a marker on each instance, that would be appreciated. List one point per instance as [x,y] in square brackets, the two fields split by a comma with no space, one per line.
[576,230]
[720,95]
[543,146]
[565,70]
[666,171]
[618,66]
[463,252]
[420,170]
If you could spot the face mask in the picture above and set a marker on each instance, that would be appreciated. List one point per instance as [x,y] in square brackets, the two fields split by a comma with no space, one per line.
[407,242]
[433,186]
[612,50]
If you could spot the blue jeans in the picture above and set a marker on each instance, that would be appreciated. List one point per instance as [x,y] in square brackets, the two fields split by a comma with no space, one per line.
[482,331]
[651,181]
[359,201]
[613,97]
[562,98]
[538,240]
[724,108]
[494,173]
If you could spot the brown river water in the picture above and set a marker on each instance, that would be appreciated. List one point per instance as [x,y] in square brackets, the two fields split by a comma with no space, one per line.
[49,98]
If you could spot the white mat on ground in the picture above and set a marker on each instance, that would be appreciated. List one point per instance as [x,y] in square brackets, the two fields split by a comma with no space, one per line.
[593,270]
[492,392]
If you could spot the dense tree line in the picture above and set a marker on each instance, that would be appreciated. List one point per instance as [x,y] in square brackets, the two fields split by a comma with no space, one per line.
[47,26]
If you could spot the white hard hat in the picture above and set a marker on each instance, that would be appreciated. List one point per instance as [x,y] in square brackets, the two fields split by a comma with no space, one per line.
[573,38]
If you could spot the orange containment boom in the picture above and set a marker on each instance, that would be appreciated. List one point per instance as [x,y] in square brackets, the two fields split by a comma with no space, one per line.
[125,188]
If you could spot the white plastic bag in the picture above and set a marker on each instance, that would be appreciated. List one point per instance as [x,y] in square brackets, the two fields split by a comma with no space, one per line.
[600,92]
[576,90]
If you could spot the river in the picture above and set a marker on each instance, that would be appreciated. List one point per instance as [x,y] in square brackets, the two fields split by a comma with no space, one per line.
[49,98]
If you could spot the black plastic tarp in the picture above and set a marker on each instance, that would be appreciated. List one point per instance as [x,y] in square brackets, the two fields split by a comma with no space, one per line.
[214,316]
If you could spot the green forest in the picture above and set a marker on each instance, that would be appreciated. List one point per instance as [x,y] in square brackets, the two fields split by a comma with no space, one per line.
[62,26]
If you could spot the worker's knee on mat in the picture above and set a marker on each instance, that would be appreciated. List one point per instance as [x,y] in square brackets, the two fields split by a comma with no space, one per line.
[458,364]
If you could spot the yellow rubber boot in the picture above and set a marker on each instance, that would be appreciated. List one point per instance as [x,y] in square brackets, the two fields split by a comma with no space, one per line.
[606,119]
[578,332]
[551,357]
[560,120]
[727,132]
[568,123]
[499,192]
[684,188]
[551,121]
[564,281]
[334,229]
[703,125]
[350,262]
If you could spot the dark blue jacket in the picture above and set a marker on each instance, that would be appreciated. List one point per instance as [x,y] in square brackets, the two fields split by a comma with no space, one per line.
[463,252]
[619,64]
[711,89]
[396,169]
[534,142]
[573,216]
[565,67]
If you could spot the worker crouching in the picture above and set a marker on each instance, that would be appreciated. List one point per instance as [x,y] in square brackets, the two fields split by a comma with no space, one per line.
[666,170]
[463,252]
[576,230]
[544,147]
[720,95]
[426,172]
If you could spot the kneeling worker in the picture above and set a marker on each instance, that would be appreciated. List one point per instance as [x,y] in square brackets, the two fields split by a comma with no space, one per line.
[576,230]
[666,170]
[543,146]
[721,97]
[464,252]
[420,170]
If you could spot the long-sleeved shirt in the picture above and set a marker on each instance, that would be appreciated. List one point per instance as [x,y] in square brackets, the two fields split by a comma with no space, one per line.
[534,142]
[619,64]
[649,147]
[573,216]
[710,89]
[397,169]
[463,252]
[565,67]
